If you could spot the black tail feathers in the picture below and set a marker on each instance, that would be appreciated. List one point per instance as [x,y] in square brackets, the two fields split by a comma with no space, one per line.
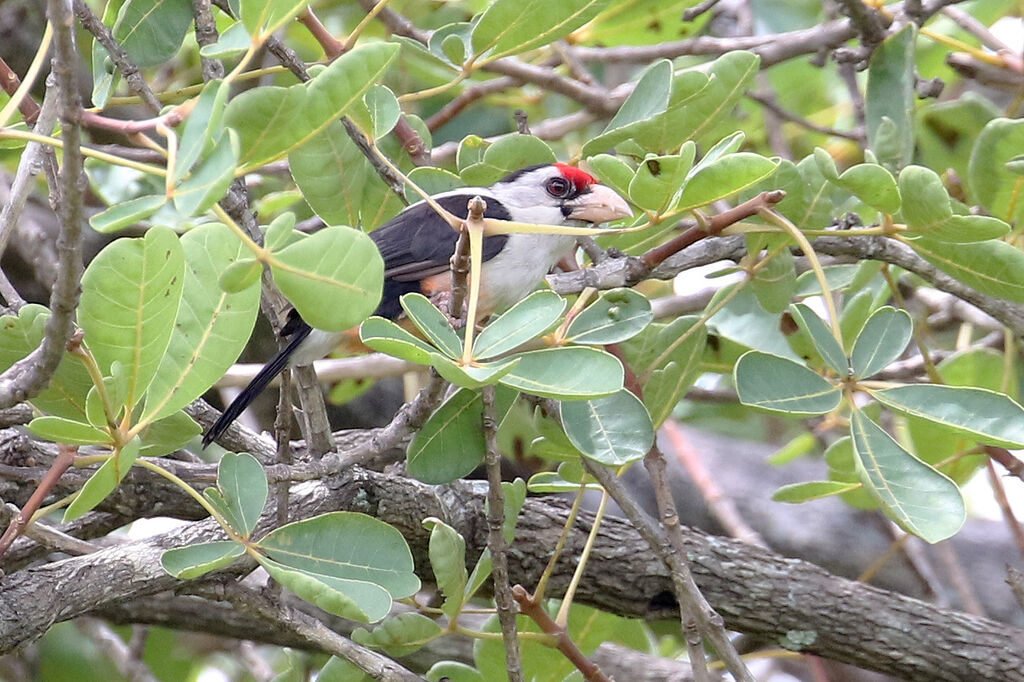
[256,386]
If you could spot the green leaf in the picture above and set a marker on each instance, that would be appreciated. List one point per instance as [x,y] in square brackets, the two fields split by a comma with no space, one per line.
[433,323]
[927,210]
[167,435]
[103,482]
[890,97]
[399,635]
[523,322]
[126,214]
[339,183]
[384,110]
[571,373]
[61,430]
[780,385]
[512,26]
[618,314]
[874,185]
[451,443]
[240,275]
[649,99]
[826,344]
[202,125]
[472,376]
[917,497]
[152,31]
[882,341]
[447,551]
[199,559]
[993,267]
[506,155]
[336,264]
[515,497]
[614,431]
[346,545]
[387,337]
[243,486]
[838,277]
[723,178]
[69,388]
[339,670]
[104,74]
[701,118]
[354,599]
[233,42]
[272,121]
[280,232]
[266,16]
[991,183]
[453,671]
[673,375]
[775,284]
[986,416]
[659,178]
[795,493]
[130,297]
[212,326]
[612,171]
[210,181]
[432,181]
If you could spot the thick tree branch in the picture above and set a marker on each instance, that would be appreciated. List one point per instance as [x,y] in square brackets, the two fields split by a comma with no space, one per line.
[756,591]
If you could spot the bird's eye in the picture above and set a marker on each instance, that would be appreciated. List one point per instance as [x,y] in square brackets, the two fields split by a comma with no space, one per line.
[558,187]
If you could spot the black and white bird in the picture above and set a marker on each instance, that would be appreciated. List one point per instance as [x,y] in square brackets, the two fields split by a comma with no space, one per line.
[417,246]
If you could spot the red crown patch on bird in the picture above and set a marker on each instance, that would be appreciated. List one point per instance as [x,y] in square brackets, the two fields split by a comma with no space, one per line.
[576,176]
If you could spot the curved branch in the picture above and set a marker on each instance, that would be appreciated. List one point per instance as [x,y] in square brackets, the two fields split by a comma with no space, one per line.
[30,375]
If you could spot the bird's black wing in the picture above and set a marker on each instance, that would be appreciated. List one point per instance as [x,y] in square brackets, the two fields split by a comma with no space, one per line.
[418,243]
[415,244]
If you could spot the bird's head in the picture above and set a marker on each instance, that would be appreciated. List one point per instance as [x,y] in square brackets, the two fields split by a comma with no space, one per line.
[557,193]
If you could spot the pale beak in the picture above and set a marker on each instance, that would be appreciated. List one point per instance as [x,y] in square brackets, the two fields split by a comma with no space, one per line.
[599,205]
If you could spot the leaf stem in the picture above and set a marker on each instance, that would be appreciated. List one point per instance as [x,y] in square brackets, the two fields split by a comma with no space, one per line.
[86,151]
[194,494]
[570,521]
[819,272]
[562,619]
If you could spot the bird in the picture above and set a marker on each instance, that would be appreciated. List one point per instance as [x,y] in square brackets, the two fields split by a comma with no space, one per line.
[417,246]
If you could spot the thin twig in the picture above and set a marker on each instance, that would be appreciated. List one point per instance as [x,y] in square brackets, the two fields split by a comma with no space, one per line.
[9,83]
[773,106]
[1009,517]
[711,623]
[206,34]
[471,94]
[131,667]
[65,458]
[377,666]
[1006,459]
[332,47]
[496,540]
[31,374]
[700,8]
[719,504]
[132,74]
[535,610]
[751,207]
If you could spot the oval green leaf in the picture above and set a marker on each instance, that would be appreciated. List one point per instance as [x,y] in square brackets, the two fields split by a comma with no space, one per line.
[571,373]
[524,321]
[103,482]
[433,323]
[618,314]
[197,560]
[337,264]
[988,417]
[615,430]
[781,385]
[881,341]
[922,500]
[130,297]
[346,545]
